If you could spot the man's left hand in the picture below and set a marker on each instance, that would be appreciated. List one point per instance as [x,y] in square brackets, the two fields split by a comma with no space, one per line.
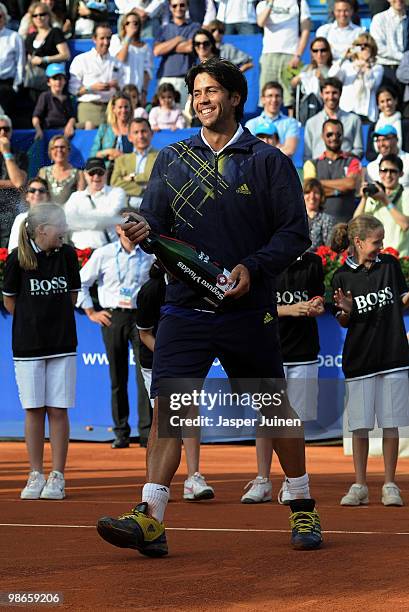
[294,62]
[241,276]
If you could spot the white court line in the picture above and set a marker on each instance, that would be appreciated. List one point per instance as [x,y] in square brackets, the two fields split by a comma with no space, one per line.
[226,530]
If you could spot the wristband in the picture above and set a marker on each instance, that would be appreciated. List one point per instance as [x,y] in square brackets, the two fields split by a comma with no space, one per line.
[337,193]
[390,206]
[8,155]
[46,59]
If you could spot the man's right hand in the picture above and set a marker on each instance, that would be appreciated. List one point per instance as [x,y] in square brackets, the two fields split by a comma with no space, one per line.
[100,86]
[137,229]
[102,317]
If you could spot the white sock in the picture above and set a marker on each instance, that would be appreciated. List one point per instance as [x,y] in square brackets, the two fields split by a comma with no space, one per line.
[157,497]
[298,488]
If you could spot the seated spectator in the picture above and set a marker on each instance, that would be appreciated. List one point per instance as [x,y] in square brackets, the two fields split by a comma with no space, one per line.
[89,212]
[319,222]
[331,91]
[137,110]
[174,47]
[313,75]
[13,175]
[387,101]
[111,139]
[149,11]
[402,75]
[11,63]
[285,37]
[342,32]
[338,172]
[133,170]
[361,76]
[36,192]
[287,127]
[238,17]
[390,204]
[46,45]
[164,114]
[390,30]
[58,20]
[86,14]
[54,109]
[386,141]
[136,56]
[267,132]
[204,46]
[228,51]
[95,77]
[61,177]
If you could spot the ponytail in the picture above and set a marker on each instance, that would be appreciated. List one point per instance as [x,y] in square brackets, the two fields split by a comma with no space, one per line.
[339,237]
[41,214]
[343,234]
[26,255]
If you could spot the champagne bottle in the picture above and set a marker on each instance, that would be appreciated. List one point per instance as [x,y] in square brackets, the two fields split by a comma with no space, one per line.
[189,265]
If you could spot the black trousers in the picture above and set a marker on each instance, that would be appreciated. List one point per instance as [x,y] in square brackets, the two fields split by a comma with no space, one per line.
[7,97]
[117,337]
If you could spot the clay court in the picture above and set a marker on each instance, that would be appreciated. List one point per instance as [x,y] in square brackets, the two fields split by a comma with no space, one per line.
[223,554]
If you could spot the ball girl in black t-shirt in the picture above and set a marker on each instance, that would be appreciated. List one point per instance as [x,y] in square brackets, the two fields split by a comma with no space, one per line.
[41,283]
[369,293]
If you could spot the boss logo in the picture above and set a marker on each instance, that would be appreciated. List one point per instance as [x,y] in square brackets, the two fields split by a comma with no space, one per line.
[57,284]
[292,297]
[380,298]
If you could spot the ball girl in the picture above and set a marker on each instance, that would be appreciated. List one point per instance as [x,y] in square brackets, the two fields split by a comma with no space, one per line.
[369,292]
[164,114]
[299,301]
[41,282]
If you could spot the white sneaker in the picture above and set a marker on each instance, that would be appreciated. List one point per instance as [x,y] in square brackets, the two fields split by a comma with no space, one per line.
[259,491]
[357,495]
[196,488]
[284,496]
[35,484]
[391,495]
[55,487]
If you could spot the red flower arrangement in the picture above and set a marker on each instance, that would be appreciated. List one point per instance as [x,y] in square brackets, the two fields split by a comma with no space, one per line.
[83,256]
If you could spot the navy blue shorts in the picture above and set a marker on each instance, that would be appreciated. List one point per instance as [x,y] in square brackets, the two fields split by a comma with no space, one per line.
[188,341]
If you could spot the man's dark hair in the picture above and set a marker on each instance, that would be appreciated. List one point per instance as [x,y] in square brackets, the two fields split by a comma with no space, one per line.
[332,82]
[227,75]
[346,2]
[272,85]
[99,25]
[140,120]
[392,159]
[333,122]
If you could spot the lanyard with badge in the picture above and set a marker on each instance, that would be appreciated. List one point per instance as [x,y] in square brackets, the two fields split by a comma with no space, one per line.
[125,293]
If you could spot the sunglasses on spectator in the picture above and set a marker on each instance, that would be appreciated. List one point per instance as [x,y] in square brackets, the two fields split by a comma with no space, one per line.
[364,46]
[41,15]
[198,43]
[331,134]
[221,30]
[181,5]
[59,148]
[132,23]
[96,172]
[390,170]
[320,50]
[5,128]
[36,190]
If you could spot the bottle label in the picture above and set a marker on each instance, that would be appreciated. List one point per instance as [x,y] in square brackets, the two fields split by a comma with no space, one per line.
[217,290]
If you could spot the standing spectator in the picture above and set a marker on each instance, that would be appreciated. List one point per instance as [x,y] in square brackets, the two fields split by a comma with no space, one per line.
[120,269]
[320,222]
[94,77]
[202,11]
[136,56]
[331,91]
[239,17]
[133,170]
[54,109]
[111,140]
[165,115]
[361,77]
[287,127]
[85,14]
[402,74]
[338,172]
[228,51]
[287,26]
[61,177]
[13,175]
[45,46]
[36,193]
[386,141]
[342,32]
[149,11]
[390,31]
[174,46]
[89,212]
[313,75]
[57,21]
[11,63]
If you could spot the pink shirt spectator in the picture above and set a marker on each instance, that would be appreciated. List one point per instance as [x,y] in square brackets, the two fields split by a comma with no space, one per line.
[164,119]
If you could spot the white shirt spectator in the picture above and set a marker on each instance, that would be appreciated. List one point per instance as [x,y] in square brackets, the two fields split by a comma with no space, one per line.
[152,7]
[395,120]
[15,229]
[89,68]
[12,57]
[281,28]
[340,39]
[236,11]
[139,60]
[372,169]
[389,30]
[90,223]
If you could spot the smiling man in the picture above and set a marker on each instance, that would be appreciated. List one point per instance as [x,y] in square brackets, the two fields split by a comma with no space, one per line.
[240,202]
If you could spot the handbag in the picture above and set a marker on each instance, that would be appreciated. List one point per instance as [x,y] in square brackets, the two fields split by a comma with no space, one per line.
[35,77]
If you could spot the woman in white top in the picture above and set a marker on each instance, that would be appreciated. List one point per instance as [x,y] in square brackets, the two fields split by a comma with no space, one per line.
[135,55]
[36,193]
[312,75]
[361,77]
[387,100]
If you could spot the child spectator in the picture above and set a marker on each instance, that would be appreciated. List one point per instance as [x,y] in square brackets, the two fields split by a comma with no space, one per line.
[41,284]
[138,110]
[54,109]
[369,290]
[164,114]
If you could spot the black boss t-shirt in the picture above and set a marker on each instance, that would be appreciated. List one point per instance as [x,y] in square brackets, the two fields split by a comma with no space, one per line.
[150,299]
[376,339]
[43,321]
[303,280]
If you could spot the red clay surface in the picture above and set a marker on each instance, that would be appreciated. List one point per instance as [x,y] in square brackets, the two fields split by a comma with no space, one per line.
[227,570]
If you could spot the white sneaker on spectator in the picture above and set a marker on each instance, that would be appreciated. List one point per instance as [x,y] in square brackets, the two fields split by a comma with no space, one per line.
[196,488]
[357,495]
[35,484]
[259,491]
[391,495]
[55,486]
[284,496]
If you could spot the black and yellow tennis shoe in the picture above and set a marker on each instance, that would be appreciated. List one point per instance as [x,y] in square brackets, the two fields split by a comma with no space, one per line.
[305,525]
[135,529]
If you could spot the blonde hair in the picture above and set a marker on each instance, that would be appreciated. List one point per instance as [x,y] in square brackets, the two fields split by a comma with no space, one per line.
[111,117]
[54,139]
[125,19]
[42,214]
[369,40]
[45,9]
[343,234]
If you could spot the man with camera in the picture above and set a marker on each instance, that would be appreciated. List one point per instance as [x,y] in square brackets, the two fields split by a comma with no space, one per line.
[388,201]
